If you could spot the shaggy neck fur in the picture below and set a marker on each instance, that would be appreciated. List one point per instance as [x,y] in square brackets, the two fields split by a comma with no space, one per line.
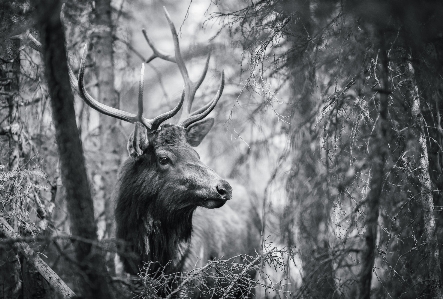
[154,232]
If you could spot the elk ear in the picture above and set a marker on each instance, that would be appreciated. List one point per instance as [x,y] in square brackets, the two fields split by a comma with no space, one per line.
[138,141]
[198,130]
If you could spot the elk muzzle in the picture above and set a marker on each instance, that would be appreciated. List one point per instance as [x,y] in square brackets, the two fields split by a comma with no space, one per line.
[221,193]
[224,190]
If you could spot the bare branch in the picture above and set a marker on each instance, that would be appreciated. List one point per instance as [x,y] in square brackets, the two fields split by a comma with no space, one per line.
[51,277]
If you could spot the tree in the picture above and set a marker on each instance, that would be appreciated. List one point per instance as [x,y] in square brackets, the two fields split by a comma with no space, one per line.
[360,137]
[330,118]
[110,143]
[95,283]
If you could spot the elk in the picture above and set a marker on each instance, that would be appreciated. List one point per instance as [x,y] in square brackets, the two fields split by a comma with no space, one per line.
[163,185]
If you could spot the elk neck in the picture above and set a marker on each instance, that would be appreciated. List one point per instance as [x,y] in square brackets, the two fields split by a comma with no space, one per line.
[153,223]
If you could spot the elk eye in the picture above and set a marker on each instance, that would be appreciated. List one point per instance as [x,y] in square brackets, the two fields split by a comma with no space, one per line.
[164,160]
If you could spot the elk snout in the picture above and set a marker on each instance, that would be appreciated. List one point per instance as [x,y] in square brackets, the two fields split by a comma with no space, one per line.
[224,189]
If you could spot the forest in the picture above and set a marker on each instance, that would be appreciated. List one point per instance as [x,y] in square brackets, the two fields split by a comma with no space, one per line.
[309,166]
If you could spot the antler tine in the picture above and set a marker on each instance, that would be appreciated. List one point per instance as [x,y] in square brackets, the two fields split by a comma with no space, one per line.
[140,95]
[156,53]
[156,122]
[110,111]
[188,113]
[162,117]
[190,87]
[78,85]
[201,109]
[208,108]
[178,56]
[120,114]
[203,75]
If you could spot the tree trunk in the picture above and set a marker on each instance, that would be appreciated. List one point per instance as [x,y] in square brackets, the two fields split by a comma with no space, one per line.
[314,212]
[426,197]
[377,159]
[94,281]
[427,63]
[427,73]
[110,145]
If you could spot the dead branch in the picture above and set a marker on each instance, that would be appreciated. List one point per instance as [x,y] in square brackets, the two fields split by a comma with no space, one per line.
[51,277]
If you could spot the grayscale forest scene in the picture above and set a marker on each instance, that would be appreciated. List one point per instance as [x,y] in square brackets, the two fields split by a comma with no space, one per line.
[274,149]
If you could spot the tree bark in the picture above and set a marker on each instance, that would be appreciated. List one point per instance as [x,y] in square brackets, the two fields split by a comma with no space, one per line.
[427,61]
[313,220]
[378,155]
[110,144]
[110,147]
[427,72]
[426,198]
[94,281]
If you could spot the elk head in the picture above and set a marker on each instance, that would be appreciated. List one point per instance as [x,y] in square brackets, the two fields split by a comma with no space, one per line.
[163,181]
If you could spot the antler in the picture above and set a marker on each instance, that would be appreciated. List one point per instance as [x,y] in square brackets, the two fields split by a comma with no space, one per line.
[78,85]
[150,124]
[186,118]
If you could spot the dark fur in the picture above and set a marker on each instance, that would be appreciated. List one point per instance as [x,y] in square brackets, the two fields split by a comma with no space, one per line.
[161,213]
[154,209]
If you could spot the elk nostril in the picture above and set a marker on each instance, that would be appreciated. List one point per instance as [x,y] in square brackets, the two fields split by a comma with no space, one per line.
[224,189]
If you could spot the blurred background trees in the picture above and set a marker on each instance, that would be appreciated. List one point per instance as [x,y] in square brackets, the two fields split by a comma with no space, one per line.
[330,119]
